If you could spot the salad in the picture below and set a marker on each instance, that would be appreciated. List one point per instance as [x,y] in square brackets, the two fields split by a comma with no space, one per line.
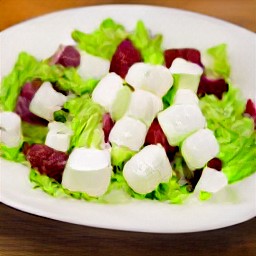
[115,117]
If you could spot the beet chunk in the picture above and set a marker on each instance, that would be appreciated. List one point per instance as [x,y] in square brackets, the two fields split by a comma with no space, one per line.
[188,54]
[67,56]
[156,135]
[250,110]
[47,160]
[215,163]
[108,124]
[124,57]
[22,106]
[212,86]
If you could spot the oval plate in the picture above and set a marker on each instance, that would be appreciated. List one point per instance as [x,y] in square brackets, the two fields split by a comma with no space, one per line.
[42,36]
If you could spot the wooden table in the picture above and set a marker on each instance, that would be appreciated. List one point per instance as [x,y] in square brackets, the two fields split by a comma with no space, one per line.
[26,235]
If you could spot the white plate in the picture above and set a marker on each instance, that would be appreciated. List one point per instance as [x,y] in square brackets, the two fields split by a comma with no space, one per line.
[42,36]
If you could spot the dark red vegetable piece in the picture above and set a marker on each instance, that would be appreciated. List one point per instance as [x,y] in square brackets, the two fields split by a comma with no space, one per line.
[108,124]
[124,57]
[250,110]
[67,56]
[215,163]
[189,54]
[212,86]
[155,135]
[47,160]
[22,106]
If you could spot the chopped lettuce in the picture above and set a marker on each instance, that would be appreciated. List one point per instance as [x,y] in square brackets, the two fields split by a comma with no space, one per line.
[149,46]
[103,41]
[218,65]
[33,133]
[120,155]
[28,68]
[234,132]
[85,121]
[12,154]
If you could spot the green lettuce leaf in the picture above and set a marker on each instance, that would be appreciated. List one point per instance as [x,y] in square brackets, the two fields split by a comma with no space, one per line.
[28,68]
[103,41]
[12,154]
[234,132]
[120,155]
[33,133]
[219,66]
[86,122]
[150,47]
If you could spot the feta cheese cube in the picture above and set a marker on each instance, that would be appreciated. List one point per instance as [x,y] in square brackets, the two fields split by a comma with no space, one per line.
[153,78]
[199,148]
[107,90]
[147,169]
[58,136]
[187,74]
[179,121]
[144,106]
[46,101]
[185,96]
[211,181]
[128,132]
[92,66]
[88,170]
[10,129]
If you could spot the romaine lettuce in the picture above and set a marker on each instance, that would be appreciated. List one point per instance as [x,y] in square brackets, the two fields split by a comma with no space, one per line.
[103,41]
[234,132]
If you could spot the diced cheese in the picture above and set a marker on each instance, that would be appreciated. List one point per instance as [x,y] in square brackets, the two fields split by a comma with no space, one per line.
[154,78]
[199,148]
[147,169]
[128,132]
[10,129]
[46,101]
[211,181]
[185,96]
[144,106]
[88,170]
[58,136]
[107,90]
[92,66]
[187,73]
[179,121]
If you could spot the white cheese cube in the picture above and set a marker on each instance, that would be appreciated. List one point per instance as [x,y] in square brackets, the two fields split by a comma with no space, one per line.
[199,148]
[154,78]
[92,66]
[185,96]
[46,101]
[144,106]
[128,132]
[10,129]
[179,121]
[107,90]
[211,181]
[88,170]
[147,169]
[187,74]
[58,136]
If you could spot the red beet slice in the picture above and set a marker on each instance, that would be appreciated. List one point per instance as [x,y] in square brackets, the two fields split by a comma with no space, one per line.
[215,163]
[47,160]
[124,57]
[212,86]
[188,54]
[250,110]
[22,106]
[67,56]
[156,135]
[108,124]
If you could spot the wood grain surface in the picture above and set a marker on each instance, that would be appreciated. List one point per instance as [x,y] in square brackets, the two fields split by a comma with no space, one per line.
[23,234]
